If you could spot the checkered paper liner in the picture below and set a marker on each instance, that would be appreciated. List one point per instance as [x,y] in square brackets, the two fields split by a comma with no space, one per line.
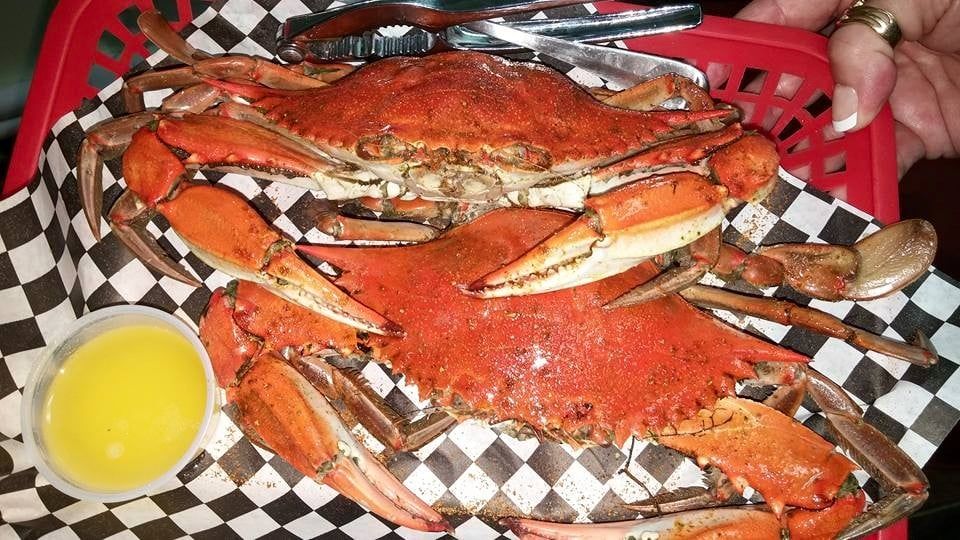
[51,270]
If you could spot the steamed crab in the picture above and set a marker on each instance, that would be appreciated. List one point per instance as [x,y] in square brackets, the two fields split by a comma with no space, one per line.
[649,184]
[643,177]
[560,367]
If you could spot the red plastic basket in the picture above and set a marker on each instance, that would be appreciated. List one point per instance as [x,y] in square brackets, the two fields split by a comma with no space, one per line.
[859,168]
[76,49]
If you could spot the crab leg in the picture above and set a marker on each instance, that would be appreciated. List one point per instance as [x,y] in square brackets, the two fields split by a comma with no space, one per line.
[350,228]
[876,266]
[134,87]
[903,481]
[247,247]
[745,523]
[791,381]
[342,227]
[103,142]
[223,230]
[201,64]
[394,220]
[193,99]
[158,30]
[281,404]
[753,522]
[625,226]
[128,220]
[231,331]
[788,313]
[370,410]
[718,492]
[746,440]
[325,72]
[296,421]
[679,153]
[419,209]
[692,264]
[653,93]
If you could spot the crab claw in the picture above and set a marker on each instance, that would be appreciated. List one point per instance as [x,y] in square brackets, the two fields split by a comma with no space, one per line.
[728,435]
[293,418]
[883,262]
[224,231]
[619,230]
[880,264]
[228,234]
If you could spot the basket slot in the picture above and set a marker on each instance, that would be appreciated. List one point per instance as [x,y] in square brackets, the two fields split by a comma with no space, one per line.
[771,118]
[788,85]
[110,45]
[129,18]
[170,9]
[768,81]
[818,104]
[751,80]
[834,164]
[717,84]
[734,79]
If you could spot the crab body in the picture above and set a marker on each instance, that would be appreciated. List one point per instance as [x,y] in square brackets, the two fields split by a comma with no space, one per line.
[491,132]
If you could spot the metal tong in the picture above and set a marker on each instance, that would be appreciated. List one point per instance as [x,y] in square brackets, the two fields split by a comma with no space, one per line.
[349,32]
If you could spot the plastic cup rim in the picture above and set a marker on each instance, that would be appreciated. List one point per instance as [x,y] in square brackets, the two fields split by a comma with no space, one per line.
[60,481]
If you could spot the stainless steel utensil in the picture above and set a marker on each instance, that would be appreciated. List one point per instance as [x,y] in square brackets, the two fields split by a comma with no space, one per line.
[589,29]
[296,33]
[619,66]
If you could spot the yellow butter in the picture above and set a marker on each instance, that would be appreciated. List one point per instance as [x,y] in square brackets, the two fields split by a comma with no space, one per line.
[124,407]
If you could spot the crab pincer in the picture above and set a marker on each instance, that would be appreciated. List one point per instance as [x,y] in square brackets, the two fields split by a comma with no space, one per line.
[877,265]
[295,420]
[219,226]
[628,225]
[282,402]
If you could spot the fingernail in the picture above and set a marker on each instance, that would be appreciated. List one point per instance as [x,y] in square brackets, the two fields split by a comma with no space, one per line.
[845,105]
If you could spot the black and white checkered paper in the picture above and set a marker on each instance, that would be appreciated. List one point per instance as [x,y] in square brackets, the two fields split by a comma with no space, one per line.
[51,271]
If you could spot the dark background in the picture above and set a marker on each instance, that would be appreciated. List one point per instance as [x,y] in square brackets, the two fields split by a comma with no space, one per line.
[930,190]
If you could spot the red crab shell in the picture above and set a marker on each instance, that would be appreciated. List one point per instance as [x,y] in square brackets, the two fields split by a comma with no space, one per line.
[469,102]
[532,359]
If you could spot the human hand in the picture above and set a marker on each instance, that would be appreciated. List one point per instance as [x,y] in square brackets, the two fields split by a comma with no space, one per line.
[921,77]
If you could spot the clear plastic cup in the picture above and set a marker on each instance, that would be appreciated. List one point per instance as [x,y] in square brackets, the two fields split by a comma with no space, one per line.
[53,357]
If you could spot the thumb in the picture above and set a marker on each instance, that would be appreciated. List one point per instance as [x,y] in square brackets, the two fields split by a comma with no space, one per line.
[864,72]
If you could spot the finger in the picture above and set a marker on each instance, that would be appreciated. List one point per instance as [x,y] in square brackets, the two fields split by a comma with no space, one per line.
[909,148]
[863,66]
[921,102]
[717,74]
[796,13]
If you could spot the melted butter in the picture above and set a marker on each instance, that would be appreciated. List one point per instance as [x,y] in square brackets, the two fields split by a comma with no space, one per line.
[124,407]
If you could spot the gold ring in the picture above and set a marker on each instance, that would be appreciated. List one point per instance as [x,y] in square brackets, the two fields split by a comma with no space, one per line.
[877,19]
